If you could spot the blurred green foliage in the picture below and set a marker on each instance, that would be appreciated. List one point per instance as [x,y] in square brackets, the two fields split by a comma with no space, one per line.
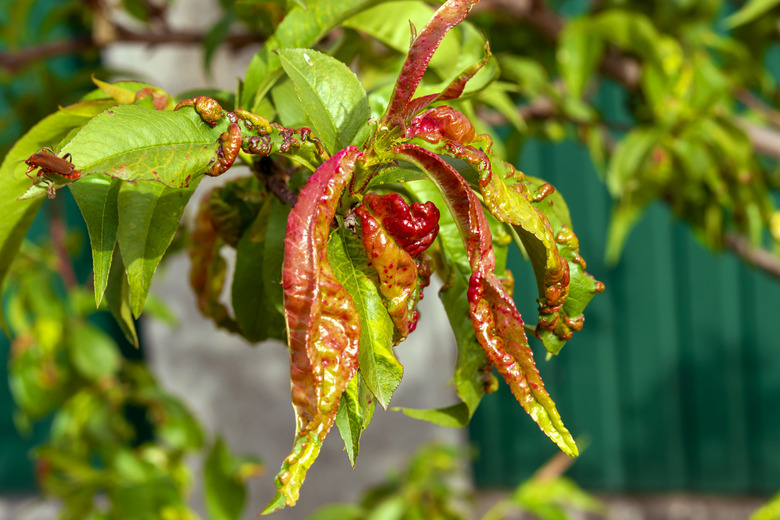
[434,484]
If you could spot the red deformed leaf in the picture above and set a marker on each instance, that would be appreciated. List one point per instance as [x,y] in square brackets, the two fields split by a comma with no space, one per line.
[207,272]
[322,321]
[453,90]
[450,14]
[497,322]
[444,123]
[393,234]
[512,198]
[413,227]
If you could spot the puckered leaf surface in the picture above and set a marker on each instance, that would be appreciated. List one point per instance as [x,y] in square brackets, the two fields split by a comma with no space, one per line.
[497,322]
[323,327]
[520,202]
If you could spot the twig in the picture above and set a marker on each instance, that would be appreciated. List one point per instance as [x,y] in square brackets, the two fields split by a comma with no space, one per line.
[765,140]
[753,102]
[275,179]
[757,256]
[14,61]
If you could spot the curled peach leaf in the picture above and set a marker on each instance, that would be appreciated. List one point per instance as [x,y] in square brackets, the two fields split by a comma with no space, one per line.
[424,43]
[496,321]
[517,201]
[322,322]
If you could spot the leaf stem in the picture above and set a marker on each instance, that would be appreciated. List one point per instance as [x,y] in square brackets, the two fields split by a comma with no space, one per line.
[756,256]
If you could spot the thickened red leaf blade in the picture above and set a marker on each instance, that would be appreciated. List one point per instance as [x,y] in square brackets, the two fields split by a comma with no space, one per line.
[450,14]
[532,207]
[499,330]
[497,322]
[453,90]
[396,271]
[322,321]
[393,234]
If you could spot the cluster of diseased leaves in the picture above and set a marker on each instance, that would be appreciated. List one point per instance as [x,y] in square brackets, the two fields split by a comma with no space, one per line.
[337,233]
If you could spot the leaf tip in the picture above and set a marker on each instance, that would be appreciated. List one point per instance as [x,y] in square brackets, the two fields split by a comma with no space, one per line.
[278,502]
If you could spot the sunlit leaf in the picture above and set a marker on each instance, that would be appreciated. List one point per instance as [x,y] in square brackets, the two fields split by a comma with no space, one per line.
[379,367]
[355,412]
[174,148]
[94,353]
[752,10]
[97,198]
[302,27]
[331,95]
[149,214]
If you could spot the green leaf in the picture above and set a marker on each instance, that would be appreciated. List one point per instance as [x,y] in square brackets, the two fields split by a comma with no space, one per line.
[389,23]
[331,95]
[355,412]
[18,214]
[378,365]
[36,381]
[629,156]
[625,214]
[93,352]
[529,75]
[496,96]
[769,511]
[288,107]
[118,298]
[138,9]
[554,499]
[455,416]
[259,316]
[174,148]
[629,30]
[215,36]
[224,493]
[177,426]
[97,197]
[300,28]
[750,11]
[396,175]
[579,55]
[582,286]
[149,214]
